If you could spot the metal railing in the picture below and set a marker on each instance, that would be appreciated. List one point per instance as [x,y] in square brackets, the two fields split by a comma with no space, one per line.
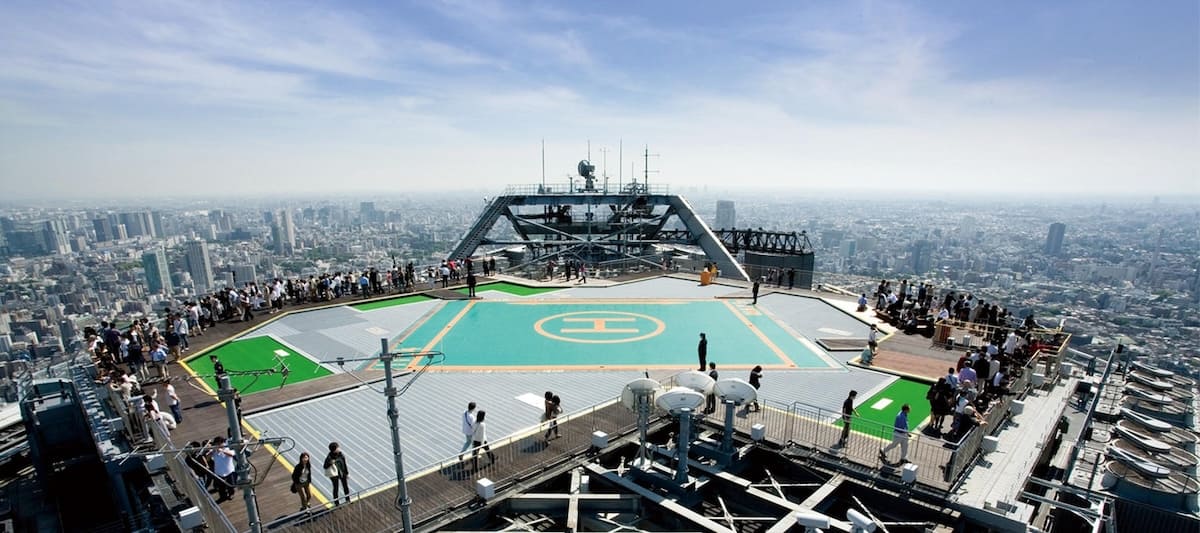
[577,187]
[450,483]
[186,482]
[816,430]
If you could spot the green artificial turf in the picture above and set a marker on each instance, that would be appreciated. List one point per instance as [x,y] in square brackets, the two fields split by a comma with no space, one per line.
[257,353]
[879,422]
[510,288]
[390,302]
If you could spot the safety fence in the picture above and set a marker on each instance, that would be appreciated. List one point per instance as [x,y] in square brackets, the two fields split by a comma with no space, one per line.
[451,483]
[186,482]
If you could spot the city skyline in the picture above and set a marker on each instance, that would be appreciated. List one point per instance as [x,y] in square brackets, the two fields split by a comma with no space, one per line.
[233,99]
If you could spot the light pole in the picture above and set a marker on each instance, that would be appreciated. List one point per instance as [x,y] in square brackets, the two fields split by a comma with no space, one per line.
[225,393]
[393,414]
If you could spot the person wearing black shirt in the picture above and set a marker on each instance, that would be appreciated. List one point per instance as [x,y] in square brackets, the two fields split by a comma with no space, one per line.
[848,411]
[702,350]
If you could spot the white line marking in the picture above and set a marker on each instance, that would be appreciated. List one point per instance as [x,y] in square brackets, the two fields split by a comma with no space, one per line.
[282,353]
[532,399]
[882,403]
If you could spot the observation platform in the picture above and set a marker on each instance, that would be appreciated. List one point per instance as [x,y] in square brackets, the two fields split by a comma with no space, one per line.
[503,349]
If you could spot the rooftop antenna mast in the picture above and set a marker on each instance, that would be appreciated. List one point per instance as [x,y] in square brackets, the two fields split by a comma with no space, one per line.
[620,163]
[604,155]
[646,168]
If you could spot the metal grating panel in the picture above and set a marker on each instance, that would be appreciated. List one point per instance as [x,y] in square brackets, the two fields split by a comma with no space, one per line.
[429,417]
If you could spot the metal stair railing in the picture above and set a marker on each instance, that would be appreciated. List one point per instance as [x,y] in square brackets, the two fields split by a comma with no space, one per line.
[479,230]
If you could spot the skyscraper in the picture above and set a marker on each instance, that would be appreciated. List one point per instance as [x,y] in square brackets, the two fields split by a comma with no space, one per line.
[158,277]
[199,265]
[1054,239]
[922,256]
[288,229]
[726,215]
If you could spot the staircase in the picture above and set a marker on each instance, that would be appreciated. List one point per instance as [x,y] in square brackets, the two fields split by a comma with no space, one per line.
[479,230]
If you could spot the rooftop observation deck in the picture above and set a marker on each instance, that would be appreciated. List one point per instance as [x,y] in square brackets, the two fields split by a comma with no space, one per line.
[800,414]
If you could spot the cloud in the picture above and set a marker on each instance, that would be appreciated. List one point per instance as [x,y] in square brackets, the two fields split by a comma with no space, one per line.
[859,95]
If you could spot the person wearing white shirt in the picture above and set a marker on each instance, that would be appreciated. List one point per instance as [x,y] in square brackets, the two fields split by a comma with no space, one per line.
[468,428]
[223,467]
[479,440]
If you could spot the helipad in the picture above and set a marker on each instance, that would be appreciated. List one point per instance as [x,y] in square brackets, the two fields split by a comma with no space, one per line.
[608,333]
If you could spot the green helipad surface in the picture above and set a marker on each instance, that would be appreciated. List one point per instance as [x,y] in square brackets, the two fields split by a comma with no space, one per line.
[510,288]
[380,304]
[605,333]
[257,353]
[879,411]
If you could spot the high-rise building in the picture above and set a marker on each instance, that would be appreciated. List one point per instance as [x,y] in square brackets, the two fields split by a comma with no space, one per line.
[104,229]
[288,228]
[1054,239]
[199,264]
[135,224]
[158,276]
[922,256]
[726,215]
[243,274]
[849,248]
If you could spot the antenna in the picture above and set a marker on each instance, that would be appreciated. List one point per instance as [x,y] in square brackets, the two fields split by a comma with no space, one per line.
[646,168]
[604,157]
[620,163]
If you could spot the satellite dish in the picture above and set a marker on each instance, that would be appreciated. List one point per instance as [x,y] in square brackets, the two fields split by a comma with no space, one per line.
[735,390]
[639,385]
[1148,422]
[695,380]
[1143,441]
[586,169]
[679,398]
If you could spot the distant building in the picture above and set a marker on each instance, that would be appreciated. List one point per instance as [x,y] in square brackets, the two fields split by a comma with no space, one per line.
[1054,239]
[726,215]
[199,265]
[922,256]
[288,228]
[243,274]
[849,248]
[158,276]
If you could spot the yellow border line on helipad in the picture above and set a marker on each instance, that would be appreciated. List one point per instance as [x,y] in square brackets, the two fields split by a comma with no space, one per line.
[761,336]
[445,329]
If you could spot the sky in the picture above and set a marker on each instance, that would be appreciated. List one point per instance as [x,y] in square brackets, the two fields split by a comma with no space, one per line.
[175,98]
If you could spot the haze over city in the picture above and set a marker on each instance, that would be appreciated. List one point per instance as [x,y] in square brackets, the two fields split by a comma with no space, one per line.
[177,99]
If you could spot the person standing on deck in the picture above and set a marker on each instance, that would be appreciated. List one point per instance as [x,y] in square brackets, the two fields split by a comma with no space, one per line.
[302,480]
[336,470]
[702,351]
[848,411]
[756,382]
[468,428]
[754,291]
[710,402]
[899,436]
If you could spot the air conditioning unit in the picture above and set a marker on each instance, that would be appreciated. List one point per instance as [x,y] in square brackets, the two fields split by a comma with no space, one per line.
[485,488]
[156,463]
[190,519]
